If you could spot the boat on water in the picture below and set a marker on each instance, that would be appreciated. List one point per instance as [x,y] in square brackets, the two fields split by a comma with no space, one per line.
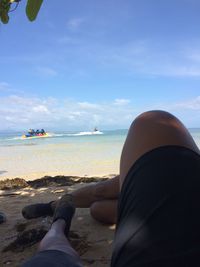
[35,134]
[95,131]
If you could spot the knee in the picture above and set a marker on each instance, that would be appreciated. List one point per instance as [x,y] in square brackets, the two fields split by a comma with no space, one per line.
[153,117]
[104,213]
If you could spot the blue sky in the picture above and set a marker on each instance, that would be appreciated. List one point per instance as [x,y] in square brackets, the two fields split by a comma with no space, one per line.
[100,63]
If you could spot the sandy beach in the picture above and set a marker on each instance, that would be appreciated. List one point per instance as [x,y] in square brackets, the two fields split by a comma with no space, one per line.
[19,237]
[84,159]
[60,155]
[86,88]
[90,157]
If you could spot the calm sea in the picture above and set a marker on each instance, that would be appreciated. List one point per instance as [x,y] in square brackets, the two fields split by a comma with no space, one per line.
[68,153]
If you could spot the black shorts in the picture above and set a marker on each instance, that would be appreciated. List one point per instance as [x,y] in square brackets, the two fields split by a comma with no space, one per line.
[52,258]
[159,211]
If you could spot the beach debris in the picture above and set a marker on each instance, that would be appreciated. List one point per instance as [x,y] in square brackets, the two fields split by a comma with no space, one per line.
[8,262]
[20,227]
[9,195]
[47,181]
[61,180]
[13,184]
[58,191]
[30,237]
[26,239]
[79,243]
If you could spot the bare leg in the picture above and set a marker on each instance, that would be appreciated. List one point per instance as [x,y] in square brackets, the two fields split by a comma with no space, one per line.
[151,130]
[105,211]
[101,198]
[148,131]
[52,246]
[55,239]
[86,196]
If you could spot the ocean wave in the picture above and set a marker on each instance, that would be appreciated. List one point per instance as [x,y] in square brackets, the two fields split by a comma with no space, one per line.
[29,138]
[14,138]
[58,135]
[54,135]
[16,145]
[86,133]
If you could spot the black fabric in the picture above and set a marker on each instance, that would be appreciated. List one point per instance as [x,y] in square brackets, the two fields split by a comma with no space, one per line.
[159,211]
[52,258]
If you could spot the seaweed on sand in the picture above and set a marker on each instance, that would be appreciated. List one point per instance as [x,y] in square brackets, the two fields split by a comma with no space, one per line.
[59,180]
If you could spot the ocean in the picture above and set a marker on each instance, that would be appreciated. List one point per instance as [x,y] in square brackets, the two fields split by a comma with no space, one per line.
[64,153]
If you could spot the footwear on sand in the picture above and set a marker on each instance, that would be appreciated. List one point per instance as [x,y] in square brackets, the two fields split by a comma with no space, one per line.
[65,210]
[37,210]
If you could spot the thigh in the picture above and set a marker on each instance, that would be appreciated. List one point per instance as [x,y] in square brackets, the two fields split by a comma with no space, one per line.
[151,130]
[158,218]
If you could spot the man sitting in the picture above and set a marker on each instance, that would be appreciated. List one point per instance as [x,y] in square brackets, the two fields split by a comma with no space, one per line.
[158,219]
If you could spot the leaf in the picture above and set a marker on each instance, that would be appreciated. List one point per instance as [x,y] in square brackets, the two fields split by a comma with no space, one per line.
[32,8]
[4,17]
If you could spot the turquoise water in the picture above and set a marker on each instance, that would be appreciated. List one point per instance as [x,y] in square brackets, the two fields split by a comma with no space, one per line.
[104,137]
[75,153]
[64,153]
[14,139]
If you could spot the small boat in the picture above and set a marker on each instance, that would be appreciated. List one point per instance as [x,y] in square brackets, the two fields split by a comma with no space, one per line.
[35,134]
[95,131]
[27,136]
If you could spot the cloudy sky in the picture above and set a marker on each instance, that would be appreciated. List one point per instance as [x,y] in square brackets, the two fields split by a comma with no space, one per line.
[100,63]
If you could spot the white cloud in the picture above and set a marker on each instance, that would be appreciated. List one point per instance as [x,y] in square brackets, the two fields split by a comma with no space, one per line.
[46,71]
[121,102]
[192,104]
[22,113]
[4,86]
[182,106]
[194,55]
[188,111]
[176,71]
[19,100]
[7,88]
[25,112]
[41,109]
[87,105]
[144,57]
[74,23]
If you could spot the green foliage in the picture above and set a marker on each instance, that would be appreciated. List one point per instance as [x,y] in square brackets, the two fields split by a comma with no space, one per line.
[4,8]
[32,9]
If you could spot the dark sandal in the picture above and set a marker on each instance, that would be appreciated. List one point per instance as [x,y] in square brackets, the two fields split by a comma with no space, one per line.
[37,210]
[65,210]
